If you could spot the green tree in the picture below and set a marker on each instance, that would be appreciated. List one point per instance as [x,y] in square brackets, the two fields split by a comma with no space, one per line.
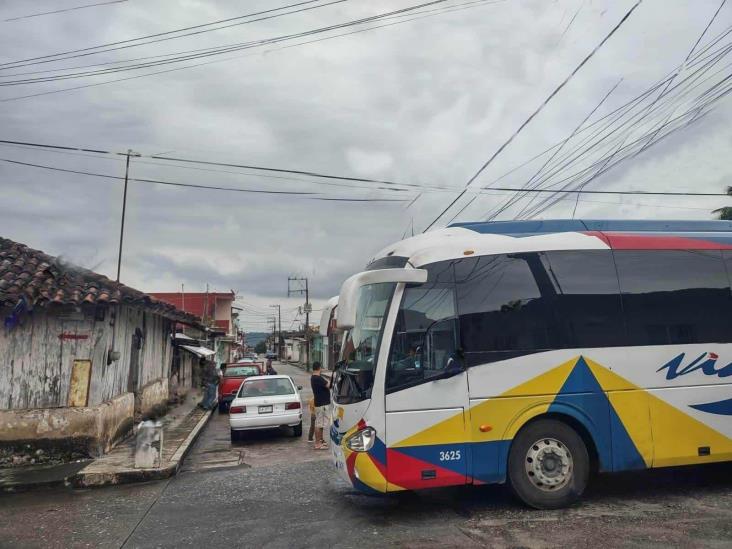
[260,347]
[726,212]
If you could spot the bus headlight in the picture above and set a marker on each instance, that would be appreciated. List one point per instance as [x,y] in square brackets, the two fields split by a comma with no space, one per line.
[362,441]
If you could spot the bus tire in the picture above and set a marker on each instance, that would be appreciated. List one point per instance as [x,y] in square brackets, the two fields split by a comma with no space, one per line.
[548,465]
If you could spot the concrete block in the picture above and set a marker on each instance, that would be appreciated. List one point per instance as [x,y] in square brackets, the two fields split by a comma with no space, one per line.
[149,445]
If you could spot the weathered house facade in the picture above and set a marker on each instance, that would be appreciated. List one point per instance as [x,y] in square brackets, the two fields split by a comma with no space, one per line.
[81,356]
[216,311]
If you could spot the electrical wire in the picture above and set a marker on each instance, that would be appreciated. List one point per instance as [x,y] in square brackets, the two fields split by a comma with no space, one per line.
[85,51]
[245,46]
[64,10]
[197,186]
[682,90]
[175,160]
[538,110]
[230,47]
[422,14]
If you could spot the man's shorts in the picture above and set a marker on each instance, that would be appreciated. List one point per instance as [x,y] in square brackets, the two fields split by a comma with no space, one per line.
[321,416]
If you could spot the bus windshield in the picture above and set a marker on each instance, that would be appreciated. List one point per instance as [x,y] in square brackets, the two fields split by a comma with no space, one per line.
[361,344]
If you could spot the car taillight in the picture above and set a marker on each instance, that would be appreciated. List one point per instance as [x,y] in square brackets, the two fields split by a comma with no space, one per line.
[292,406]
[238,410]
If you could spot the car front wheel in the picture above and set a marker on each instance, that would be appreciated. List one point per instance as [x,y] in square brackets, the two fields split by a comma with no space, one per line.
[548,465]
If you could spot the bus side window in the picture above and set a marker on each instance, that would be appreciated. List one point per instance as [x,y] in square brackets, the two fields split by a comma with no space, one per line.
[674,296]
[504,305]
[587,300]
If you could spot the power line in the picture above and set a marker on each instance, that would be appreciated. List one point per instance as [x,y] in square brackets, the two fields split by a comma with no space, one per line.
[626,127]
[421,15]
[64,10]
[226,48]
[26,62]
[537,111]
[197,186]
[229,165]
[247,45]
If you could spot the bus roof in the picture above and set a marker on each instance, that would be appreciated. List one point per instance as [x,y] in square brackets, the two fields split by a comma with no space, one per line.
[497,237]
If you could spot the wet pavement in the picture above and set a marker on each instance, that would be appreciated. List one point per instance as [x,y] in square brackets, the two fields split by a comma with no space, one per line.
[272,491]
[214,448]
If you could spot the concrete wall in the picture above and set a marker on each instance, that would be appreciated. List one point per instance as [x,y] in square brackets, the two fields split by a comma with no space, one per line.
[91,430]
[152,401]
[36,357]
[181,383]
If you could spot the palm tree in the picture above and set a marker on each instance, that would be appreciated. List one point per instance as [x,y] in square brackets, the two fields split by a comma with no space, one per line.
[726,212]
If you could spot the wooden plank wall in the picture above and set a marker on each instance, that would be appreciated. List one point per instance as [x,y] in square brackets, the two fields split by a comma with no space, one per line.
[35,364]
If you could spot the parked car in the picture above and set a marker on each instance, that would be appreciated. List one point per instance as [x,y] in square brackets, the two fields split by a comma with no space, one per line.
[266,402]
[233,375]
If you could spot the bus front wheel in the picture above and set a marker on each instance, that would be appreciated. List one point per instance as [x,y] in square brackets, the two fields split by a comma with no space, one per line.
[548,465]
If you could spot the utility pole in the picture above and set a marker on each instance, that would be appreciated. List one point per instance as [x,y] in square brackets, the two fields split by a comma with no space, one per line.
[273,320]
[279,331]
[307,308]
[124,209]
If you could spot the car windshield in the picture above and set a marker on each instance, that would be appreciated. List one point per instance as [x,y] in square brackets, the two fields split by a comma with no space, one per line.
[361,345]
[266,387]
[239,371]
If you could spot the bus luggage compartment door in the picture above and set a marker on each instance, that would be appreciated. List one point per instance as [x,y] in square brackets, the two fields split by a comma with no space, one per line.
[426,449]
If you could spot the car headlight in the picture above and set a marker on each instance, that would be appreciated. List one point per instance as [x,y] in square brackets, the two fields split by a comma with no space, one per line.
[362,441]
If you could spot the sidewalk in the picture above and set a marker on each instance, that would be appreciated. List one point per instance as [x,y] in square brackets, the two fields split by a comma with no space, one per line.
[181,426]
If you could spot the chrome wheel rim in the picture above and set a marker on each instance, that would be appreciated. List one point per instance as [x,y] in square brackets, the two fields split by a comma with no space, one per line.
[549,464]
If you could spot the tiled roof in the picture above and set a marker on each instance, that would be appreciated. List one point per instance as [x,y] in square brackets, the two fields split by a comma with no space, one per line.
[42,279]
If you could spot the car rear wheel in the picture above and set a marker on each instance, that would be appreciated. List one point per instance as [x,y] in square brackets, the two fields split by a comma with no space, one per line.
[548,465]
[235,435]
[297,430]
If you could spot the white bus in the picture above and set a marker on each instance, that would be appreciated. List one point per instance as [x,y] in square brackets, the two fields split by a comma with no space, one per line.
[535,353]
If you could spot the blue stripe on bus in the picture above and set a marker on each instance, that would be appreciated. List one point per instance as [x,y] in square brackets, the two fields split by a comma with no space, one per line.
[582,397]
[721,407]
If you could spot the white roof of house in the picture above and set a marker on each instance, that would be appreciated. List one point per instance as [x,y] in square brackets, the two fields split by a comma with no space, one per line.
[202,352]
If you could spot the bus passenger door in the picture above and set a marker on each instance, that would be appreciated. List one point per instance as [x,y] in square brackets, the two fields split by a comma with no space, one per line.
[426,399]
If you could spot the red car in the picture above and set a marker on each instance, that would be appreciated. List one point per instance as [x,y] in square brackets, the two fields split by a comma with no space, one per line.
[233,375]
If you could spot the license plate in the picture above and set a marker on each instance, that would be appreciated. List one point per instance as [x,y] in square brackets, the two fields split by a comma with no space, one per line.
[265,409]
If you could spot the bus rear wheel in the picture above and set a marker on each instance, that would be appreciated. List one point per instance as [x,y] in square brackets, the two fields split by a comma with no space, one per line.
[548,465]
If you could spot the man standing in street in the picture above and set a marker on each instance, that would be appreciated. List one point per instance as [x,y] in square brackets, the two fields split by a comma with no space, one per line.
[321,396]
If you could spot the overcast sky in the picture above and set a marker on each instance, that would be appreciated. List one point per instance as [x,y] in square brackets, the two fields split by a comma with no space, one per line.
[425,102]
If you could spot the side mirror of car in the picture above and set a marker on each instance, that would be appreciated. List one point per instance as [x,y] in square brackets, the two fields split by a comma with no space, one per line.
[299,387]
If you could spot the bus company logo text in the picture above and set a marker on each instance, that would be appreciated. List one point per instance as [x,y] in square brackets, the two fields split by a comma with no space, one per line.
[706,362]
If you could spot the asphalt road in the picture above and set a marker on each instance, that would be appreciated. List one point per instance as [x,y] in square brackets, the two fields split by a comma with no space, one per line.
[214,448]
[295,500]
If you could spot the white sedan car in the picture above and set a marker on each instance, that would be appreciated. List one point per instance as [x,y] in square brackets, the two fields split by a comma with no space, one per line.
[266,402]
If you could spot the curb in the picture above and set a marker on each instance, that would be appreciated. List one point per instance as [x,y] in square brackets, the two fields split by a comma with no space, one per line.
[96,480]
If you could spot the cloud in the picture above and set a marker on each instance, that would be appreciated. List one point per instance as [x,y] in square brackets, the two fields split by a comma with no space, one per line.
[425,102]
